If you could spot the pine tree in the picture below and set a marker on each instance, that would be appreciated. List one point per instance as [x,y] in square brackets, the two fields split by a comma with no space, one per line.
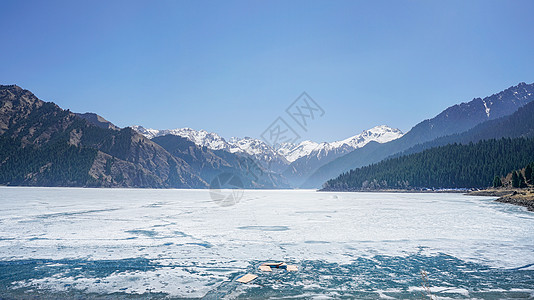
[515,179]
[497,182]
[528,173]
[522,181]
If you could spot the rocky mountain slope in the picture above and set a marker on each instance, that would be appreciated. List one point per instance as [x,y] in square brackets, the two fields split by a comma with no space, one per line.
[97,120]
[519,124]
[33,128]
[253,148]
[42,144]
[210,163]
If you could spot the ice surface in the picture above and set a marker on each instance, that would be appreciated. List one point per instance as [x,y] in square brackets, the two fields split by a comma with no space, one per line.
[182,244]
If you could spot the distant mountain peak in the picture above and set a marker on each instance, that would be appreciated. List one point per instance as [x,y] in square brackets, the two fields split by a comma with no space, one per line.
[255,148]
[379,134]
[10,86]
[453,120]
[201,138]
[288,151]
[97,120]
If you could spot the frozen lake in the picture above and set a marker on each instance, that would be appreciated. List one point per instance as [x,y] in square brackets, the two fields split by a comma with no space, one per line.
[93,243]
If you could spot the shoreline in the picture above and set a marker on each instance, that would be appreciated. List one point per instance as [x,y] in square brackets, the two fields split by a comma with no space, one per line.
[438,191]
[520,197]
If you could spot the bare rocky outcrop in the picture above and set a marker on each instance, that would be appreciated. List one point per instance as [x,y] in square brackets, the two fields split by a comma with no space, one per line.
[109,171]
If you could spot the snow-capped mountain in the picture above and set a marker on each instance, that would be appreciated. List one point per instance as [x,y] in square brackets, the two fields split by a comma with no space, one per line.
[285,149]
[453,120]
[200,137]
[308,156]
[262,151]
[255,148]
[380,134]
[294,160]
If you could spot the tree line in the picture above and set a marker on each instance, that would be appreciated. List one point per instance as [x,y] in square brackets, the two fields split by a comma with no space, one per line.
[517,178]
[472,165]
[53,164]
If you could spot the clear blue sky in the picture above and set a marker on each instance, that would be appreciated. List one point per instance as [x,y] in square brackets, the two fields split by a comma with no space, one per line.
[232,67]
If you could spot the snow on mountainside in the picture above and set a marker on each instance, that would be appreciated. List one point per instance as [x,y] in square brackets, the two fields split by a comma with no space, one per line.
[260,151]
[286,153]
[285,148]
[380,134]
[253,147]
[200,137]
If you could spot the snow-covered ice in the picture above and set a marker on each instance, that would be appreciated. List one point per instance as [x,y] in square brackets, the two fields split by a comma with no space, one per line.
[180,243]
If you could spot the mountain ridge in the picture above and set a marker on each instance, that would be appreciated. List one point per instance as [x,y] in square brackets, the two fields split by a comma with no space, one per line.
[402,170]
[123,158]
[292,152]
[293,161]
[454,119]
[37,133]
[39,136]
